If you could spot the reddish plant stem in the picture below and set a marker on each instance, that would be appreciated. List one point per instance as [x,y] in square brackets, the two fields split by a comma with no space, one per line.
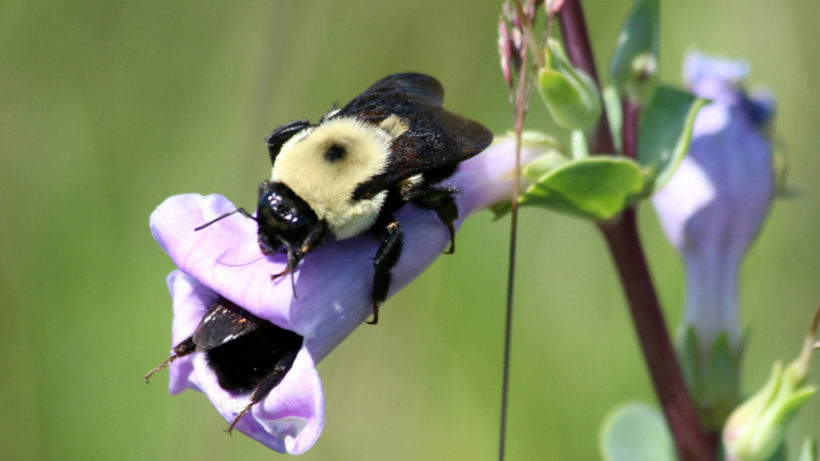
[624,242]
[629,132]
[625,245]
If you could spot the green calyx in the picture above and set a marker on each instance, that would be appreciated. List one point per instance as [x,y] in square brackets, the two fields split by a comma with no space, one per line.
[712,376]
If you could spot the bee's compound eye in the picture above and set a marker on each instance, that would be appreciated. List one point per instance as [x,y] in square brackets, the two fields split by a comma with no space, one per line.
[335,152]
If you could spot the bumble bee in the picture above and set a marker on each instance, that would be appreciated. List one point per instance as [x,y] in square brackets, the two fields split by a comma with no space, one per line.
[343,176]
[350,172]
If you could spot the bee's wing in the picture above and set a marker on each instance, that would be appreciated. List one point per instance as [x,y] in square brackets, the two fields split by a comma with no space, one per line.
[437,140]
[223,323]
[407,88]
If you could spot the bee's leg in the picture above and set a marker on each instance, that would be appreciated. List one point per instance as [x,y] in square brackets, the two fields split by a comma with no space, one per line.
[439,199]
[294,256]
[389,230]
[275,377]
[180,350]
[314,237]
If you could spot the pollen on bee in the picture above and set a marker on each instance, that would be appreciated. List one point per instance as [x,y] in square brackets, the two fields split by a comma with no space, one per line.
[394,125]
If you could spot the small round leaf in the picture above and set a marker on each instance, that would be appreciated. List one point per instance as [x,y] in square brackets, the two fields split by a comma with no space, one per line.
[636,432]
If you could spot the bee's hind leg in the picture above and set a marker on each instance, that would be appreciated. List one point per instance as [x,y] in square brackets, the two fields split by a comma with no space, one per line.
[441,200]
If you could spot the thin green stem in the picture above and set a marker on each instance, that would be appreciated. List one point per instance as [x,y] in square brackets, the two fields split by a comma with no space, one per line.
[522,94]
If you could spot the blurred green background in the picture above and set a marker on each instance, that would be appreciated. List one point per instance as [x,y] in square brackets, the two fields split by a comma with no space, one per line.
[109,107]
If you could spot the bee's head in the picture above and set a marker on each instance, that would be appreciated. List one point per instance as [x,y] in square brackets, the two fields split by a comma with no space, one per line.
[285,220]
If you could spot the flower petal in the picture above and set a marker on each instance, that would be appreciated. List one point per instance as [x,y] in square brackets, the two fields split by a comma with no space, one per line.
[190,304]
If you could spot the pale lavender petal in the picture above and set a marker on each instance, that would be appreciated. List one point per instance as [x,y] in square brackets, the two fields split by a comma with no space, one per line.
[714,77]
[190,301]
[294,419]
[289,419]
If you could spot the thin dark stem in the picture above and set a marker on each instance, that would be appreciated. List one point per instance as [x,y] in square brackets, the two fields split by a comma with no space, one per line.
[521,99]
[624,242]
[505,383]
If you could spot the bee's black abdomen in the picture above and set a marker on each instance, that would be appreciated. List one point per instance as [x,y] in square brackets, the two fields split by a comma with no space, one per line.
[242,349]
[243,363]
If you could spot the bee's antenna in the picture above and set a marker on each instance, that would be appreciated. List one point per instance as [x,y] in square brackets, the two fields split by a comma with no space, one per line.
[241,211]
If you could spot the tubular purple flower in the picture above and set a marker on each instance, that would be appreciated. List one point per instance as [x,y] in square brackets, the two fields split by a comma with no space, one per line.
[332,285]
[713,207]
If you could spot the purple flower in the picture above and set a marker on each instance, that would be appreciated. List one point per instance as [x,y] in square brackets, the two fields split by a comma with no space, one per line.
[715,204]
[333,286]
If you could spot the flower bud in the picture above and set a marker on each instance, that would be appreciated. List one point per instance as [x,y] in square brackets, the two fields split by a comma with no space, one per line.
[757,428]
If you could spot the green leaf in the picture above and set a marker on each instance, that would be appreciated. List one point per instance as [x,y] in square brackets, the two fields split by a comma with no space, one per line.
[595,188]
[570,95]
[636,432]
[665,132]
[809,450]
[634,66]
[543,165]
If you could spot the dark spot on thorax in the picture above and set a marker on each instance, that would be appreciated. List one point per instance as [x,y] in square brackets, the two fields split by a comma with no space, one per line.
[335,152]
